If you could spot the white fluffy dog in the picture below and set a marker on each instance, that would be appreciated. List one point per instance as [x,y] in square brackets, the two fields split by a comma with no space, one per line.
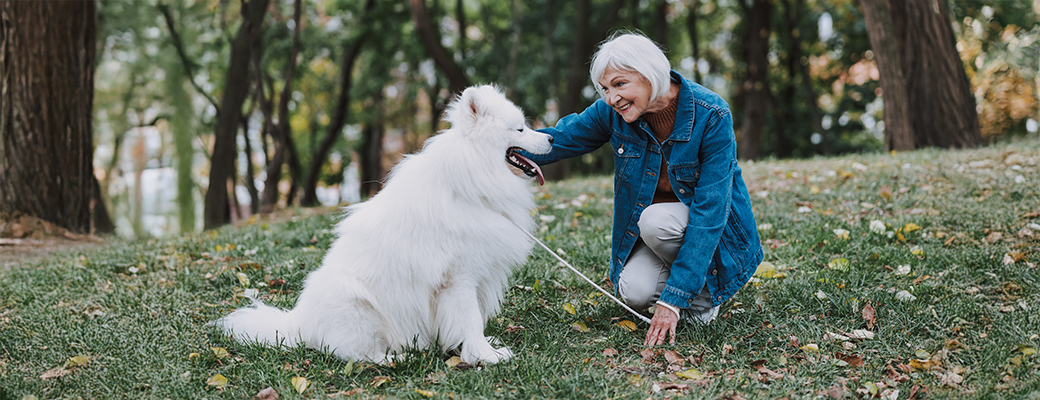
[428,258]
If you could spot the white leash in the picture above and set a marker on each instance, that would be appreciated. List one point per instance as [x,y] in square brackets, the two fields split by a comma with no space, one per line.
[621,303]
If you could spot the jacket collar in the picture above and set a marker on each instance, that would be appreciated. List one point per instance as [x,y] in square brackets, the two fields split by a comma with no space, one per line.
[685,112]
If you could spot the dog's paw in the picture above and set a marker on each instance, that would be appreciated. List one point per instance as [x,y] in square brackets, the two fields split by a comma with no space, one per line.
[487,354]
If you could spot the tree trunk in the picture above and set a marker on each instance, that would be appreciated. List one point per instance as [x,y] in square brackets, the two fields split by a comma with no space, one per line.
[182,132]
[756,82]
[661,23]
[372,151]
[339,115]
[235,91]
[254,195]
[430,39]
[691,26]
[899,133]
[939,97]
[46,100]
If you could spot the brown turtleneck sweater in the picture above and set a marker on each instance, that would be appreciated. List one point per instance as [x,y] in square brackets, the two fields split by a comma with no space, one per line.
[661,123]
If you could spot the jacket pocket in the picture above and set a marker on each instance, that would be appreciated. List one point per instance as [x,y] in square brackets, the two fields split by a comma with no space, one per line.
[685,177]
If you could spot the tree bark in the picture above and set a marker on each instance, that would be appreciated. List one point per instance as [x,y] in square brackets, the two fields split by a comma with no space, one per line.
[939,97]
[898,130]
[756,81]
[235,91]
[46,101]
[430,39]
[339,115]
[661,23]
[691,27]
[371,153]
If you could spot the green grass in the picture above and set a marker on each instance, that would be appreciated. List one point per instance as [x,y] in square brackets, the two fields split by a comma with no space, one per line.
[974,317]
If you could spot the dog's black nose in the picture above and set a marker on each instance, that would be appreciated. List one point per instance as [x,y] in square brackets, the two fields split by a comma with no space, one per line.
[550,139]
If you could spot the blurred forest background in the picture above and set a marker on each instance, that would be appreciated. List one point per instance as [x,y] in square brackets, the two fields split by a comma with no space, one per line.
[197,113]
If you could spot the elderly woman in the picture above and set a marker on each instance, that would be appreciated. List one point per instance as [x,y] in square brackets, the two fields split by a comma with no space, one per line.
[684,236]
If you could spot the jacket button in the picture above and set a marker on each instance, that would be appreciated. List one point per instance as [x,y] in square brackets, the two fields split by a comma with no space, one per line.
[714,271]
[621,150]
[718,298]
[682,190]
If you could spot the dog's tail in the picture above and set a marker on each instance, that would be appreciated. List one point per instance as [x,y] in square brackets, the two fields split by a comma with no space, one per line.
[261,323]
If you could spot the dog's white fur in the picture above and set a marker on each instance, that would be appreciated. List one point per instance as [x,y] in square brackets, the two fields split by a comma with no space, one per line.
[427,258]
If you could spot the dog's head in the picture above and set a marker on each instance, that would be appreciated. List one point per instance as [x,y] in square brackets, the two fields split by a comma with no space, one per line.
[484,114]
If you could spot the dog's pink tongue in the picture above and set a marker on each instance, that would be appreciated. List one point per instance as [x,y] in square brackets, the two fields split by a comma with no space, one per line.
[537,170]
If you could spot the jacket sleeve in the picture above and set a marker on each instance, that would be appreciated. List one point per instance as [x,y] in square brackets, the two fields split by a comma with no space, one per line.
[709,211]
[576,134]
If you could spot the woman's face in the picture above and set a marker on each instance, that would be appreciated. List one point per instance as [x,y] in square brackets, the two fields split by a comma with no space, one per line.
[628,92]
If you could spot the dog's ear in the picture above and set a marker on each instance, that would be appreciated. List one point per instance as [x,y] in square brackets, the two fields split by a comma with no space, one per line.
[471,104]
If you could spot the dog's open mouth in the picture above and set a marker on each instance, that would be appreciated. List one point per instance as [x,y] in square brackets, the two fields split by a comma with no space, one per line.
[524,164]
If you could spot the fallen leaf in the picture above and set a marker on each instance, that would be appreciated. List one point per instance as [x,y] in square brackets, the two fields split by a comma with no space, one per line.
[765,270]
[351,392]
[853,360]
[922,364]
[626,325]
[861,334]
[300,384]
[242,279]
[903,295]
[870,316]
[916,250]
[569,308]
[648,355]
[425,393]
[77,361]
[379,381]
[993,237]
[949,378]
[267,393]
[903,269]
[218,381]
[841,234]
[910,227]
[453,361]
[515,328]
[679,387]
[811,347]
[56,372]
[609,352]
[821,295]
[1027,350]
[580,327]
[673,357]
[220,352]
[840,263]
[691,373]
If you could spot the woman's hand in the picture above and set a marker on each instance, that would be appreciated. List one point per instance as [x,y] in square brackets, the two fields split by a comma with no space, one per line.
[662,326]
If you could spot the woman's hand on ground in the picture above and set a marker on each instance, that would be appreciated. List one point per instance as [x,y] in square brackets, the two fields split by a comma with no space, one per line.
[662,326]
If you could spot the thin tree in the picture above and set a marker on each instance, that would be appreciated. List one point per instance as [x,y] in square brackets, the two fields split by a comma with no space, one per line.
[339,113]
[431,41]
[236,88]
[46,103]
[898,130]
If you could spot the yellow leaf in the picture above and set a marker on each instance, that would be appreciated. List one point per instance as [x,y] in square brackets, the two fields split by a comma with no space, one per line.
[811,347]
[690,374]
[899,235]
[77,361]
[425,393]
[300,383]
[453,361]
[626,325]
[219,248]
[916,250]
[193,355]
[219,352]
[910,227]
[349,368]
[568,307]
[217,381]
[380,380]
[766,270]
[922,364]
[814,189]
[840,263]
[580,326]
[1027,351]
[243,279]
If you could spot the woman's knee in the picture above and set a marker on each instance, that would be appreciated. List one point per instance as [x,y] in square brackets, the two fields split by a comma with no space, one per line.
[664,222]
[637,296]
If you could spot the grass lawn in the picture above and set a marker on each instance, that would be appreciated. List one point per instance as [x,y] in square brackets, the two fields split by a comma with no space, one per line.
[938,298]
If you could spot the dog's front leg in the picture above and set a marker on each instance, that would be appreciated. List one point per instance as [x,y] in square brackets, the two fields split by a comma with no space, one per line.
[458,320]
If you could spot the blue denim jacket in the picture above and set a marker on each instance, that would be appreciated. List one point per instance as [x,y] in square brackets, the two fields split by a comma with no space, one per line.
[721,245]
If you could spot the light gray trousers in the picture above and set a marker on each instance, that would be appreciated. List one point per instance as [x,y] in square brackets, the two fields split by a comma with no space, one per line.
[661,230]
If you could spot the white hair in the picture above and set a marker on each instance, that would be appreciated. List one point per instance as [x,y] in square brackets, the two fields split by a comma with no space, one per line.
[625,51]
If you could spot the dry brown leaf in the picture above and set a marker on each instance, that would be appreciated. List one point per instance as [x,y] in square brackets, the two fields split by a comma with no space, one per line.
[949,378]
[870,316]
[515,328]
[648,355]
[673,357]
[854,360]
[609,352]
[267,393]
[55,372]
[679,387]
[350,392]
[993,237]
